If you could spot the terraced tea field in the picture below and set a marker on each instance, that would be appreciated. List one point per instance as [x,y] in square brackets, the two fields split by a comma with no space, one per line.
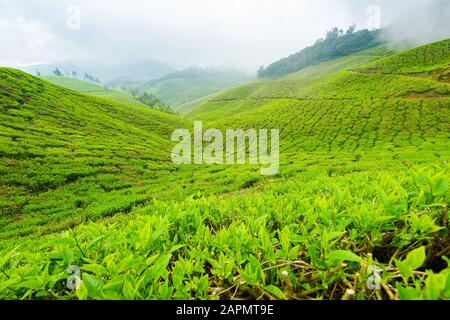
[342,111]
[364,182]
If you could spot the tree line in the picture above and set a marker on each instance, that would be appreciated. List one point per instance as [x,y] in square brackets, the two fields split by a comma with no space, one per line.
[337,43]
[74,74]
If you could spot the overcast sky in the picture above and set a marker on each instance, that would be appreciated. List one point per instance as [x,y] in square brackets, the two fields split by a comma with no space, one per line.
[225,33]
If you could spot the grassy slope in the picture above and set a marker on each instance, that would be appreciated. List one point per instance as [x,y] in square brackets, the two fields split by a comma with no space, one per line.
[296,80]
[345,110]
[64,152]
[336,44]
[179,90]
[344,63]
[364,178]
[69,157]
[191,105]
[430,59]
[92,89]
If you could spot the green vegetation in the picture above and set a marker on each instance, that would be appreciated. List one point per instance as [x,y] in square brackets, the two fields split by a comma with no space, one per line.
[153,102]
[93,89]
[64,153]
[364,182]
[427,61]
[185,86]
[110,94]
[69,157]
[344,63]
[281,242]
[191,105]
[336,44]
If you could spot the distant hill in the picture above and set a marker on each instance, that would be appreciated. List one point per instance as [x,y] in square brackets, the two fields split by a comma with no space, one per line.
[185,86]
[336,44]
[106,72]
[125,82]
[103,92]
[188,106]
[92,89]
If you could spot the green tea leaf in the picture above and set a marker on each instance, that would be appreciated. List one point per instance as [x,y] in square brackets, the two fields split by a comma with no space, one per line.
[416,258]
[343,255]
[275,291]
[93,285]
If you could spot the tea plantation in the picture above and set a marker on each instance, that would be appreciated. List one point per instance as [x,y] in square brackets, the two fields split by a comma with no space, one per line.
[93,89]
[359,209]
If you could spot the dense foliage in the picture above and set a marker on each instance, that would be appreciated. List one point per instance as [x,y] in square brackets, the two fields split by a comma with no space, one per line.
[336,44]
[153,102]
[285,242]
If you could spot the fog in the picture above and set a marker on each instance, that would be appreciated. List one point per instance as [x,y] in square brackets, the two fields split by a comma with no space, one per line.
[421,24]
[240,34]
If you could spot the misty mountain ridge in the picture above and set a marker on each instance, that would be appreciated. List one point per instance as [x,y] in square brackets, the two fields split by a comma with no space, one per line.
[139,71]
[188,85]
[195,72]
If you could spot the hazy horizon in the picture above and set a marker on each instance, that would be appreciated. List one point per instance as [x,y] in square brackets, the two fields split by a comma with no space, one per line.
[234,34]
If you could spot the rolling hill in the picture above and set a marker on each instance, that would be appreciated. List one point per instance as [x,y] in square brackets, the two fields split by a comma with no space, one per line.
[184,87]
[107,71]
[364,182]
[345,110]
[68,157]
[64,151]
[92,89]
[429,61]
[336,44]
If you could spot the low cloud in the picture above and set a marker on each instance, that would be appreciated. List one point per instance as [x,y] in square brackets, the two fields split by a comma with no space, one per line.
[424,23]
[223,33]
[32,38]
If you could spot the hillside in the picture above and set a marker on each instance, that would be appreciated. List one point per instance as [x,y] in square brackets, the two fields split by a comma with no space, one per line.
[66,155]
[191,105]
[69,157]
[92,89]
[191,84]
[336,44]
[344,110]
[426,61]
[294,81]
[344,63]
[363,183]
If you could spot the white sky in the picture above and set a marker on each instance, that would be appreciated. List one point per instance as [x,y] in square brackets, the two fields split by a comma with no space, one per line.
[228,33]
